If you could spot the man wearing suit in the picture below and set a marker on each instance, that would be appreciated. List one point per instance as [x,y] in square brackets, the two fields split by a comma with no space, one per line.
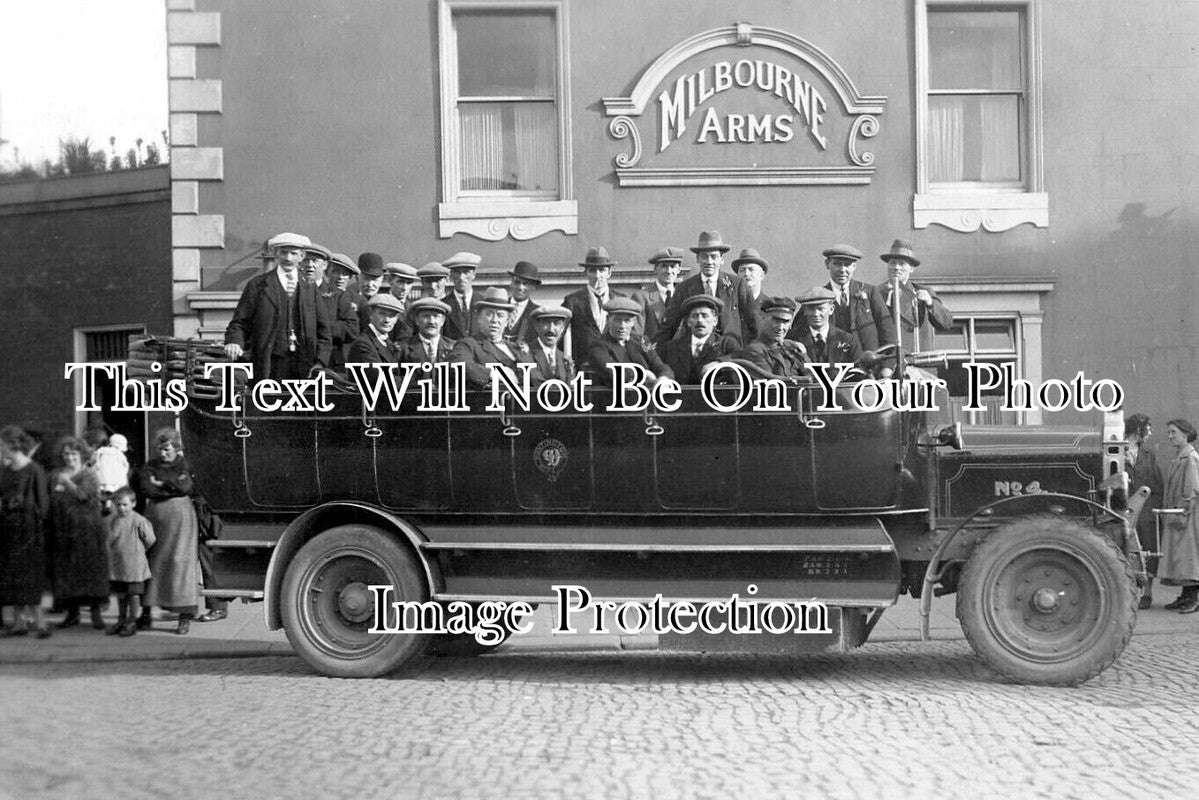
[654,298]
[772,352]
[688,355]
[278,320]
[738,318]
[823,343]
[487,346]
[400,280]
[617,345]
[525,280]
[549,323]
[370,280]
[588,318]
[920,311]
[462,267]
[339,309]
[427,345]
[374,345]
[433,279]
[858,308]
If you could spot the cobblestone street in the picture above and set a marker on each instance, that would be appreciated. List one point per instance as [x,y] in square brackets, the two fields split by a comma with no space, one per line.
[897,719]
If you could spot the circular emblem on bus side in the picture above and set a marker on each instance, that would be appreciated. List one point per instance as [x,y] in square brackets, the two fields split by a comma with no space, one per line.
[550,456]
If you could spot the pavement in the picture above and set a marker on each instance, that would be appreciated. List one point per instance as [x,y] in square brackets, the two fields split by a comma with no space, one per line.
[244,635]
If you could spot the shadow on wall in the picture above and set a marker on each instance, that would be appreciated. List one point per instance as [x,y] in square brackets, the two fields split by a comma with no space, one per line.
[1129,314]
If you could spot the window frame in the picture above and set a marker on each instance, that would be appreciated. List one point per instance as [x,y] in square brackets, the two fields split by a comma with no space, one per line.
[995,206]
[494,215]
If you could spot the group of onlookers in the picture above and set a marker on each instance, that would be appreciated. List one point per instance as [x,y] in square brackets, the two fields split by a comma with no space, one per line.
[1174,497]
[68,524]
[305,312]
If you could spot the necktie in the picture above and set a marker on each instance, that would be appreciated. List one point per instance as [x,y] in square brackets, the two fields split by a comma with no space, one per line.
[429,350]
[818,346]
[695,348]
[710,286]
[289,283]
[601,316]
[669,294]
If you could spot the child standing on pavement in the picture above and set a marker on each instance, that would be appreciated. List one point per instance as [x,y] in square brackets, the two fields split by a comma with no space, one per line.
[129,536]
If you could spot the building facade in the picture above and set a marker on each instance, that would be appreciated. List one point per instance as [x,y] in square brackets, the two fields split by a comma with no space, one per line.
[85,261]
[1039,156]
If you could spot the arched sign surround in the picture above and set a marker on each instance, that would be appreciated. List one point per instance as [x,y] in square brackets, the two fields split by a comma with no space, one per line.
[626,111]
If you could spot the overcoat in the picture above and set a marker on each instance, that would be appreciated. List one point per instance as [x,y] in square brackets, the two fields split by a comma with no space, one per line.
[1180,535]
[260,312]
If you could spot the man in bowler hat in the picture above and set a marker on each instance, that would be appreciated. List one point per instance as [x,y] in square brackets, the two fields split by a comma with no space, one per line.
[525,278]
[738,318]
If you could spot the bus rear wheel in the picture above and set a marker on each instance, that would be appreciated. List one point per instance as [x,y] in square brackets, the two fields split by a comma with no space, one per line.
[328,609]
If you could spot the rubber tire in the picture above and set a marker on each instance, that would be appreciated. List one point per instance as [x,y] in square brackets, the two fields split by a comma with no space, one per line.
[1017,650]
[340,648]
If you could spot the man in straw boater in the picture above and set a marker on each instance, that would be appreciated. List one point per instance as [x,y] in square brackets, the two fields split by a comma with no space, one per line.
[703,344]
[487,345]
[738,317]
[858,307]
[618,345]
[588,317]
[375,345]
[525,278]
[920,310]
[427,345]
[772,352]
[460,297]
[278,321]
[655,297]
[823,343]
[549,323]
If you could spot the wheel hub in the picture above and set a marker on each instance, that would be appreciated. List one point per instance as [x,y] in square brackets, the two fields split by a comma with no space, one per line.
[354,602]
[1045,600]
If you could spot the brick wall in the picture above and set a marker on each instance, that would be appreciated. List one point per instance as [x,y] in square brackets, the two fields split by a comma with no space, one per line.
[76,252]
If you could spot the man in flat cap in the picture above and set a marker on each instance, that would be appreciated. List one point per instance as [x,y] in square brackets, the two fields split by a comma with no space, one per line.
[549,323]
[433,279]
[375,345]
[525,278]
[858,307]
[823,343]
[400,280]
[920,310]
[772,351]
[462,267]
[339,307]
[618,345]
[689,354]
[588,318]
[739,317]
[370,280]
[427,345]
[278,320]
[667,263]
[487,345]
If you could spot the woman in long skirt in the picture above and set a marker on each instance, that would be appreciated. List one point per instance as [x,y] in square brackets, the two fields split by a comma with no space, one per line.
[166,484]
[1180,535]
[77,546]
[24,503]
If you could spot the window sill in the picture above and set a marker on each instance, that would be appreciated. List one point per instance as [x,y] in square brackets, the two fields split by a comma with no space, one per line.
[493,220]
[966,211]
